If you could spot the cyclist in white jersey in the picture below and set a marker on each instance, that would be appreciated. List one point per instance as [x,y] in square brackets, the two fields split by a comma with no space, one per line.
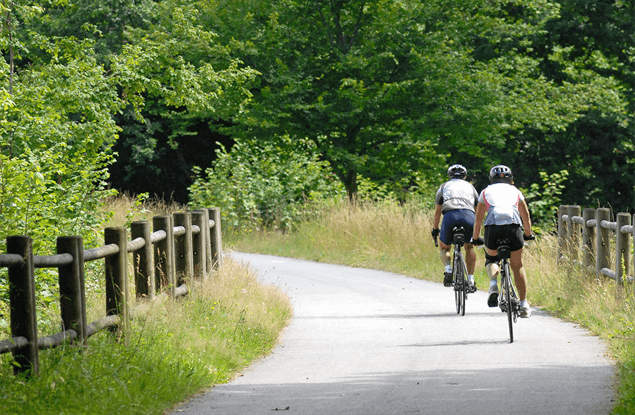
[455,200]
[507,218]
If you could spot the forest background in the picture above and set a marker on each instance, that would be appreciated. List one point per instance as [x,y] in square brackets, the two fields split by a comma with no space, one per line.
[260,106]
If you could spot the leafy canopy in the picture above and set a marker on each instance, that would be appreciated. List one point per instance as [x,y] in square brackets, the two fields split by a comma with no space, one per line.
[386,89]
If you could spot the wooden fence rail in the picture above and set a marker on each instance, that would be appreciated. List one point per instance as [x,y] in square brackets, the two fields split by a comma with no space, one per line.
[182,247]
[591,233]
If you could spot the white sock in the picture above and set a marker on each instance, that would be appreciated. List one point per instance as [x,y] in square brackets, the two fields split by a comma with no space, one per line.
[492,283]
[524,303]
[470,278]
[448,269]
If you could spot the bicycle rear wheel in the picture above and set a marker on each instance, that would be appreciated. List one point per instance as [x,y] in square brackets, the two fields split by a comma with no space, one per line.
[459,284]
[508,298]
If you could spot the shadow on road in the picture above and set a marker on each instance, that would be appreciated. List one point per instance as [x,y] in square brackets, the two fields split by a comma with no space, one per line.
[543,390]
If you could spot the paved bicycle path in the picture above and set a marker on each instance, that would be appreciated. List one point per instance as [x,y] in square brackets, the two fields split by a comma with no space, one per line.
[372,342]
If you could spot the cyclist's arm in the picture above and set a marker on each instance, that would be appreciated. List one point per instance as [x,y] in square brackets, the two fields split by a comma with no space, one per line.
[480,214]
[437,217]
[524,215]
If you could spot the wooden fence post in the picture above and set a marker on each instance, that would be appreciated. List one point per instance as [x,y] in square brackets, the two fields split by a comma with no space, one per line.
[22,303]
[117,275]
[602,240]
[562,210]
[143,260]
[622,248]
[72,286]
[184,259]
[199,242]
[215,238]
[588,238]
[164,254]
[574,232]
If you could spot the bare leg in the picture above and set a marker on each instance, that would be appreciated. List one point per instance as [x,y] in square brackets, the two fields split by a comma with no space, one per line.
[470,258]
[520,277]
[444,254]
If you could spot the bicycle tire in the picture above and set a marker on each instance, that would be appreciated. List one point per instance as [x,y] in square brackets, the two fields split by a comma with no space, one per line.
[460,287]
[463,294]
[508,298]
[462,284]
[456,270]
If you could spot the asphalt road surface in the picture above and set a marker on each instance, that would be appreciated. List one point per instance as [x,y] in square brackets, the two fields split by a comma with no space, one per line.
[373,342]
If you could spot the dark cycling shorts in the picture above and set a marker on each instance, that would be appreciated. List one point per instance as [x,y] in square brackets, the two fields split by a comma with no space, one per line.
[495,233]
[453,218]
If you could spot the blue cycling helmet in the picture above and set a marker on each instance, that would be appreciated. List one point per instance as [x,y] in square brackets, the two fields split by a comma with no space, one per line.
[457,171]
[501,174]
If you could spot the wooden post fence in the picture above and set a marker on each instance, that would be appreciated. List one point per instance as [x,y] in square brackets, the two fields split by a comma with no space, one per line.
[599,233]
[191,249]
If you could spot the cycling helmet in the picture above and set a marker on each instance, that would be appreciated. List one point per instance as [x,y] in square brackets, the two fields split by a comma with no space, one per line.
[457,171]
[500,174]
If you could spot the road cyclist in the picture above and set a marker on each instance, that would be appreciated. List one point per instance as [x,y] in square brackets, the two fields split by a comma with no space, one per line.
[507,223]
[455,200]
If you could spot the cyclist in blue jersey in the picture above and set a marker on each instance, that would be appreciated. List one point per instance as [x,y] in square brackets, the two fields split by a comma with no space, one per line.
[507,218]
[455,200]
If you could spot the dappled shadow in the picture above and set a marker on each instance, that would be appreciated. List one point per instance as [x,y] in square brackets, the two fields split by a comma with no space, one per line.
[553,390]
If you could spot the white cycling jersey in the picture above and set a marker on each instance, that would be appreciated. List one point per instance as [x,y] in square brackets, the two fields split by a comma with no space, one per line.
[501,201]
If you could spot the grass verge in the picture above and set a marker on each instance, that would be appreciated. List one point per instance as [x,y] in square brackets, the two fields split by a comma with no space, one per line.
[172,350]
[396,238]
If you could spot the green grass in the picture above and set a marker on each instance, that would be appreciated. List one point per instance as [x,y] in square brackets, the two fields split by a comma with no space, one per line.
[171,350]
[396,238]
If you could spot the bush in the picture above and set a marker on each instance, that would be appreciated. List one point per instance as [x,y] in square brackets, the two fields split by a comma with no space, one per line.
[263,185]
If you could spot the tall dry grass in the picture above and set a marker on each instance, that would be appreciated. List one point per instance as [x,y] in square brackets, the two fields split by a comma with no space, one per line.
[384,235]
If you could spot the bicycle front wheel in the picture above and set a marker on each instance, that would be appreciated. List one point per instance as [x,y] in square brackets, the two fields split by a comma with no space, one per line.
[508,298]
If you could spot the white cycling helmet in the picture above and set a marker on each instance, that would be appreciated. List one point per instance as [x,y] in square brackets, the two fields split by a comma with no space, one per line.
[457,171]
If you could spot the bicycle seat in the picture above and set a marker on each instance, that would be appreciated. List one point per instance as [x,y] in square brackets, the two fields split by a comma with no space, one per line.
[504,251]
[459,235]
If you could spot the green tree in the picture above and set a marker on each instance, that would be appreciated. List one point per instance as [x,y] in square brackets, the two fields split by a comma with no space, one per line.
[386,89]
[55,130]
[592,42]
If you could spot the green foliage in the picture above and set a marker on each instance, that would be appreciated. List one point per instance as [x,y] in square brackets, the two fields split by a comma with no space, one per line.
[626,404]
[385,90]
[264,185]
[55,132]
[544,199]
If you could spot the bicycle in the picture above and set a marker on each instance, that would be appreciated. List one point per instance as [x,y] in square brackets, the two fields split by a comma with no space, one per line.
[508,300]
[459,270]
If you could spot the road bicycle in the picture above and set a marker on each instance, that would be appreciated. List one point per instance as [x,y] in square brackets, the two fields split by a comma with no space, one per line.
[508,300]
[459,270]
